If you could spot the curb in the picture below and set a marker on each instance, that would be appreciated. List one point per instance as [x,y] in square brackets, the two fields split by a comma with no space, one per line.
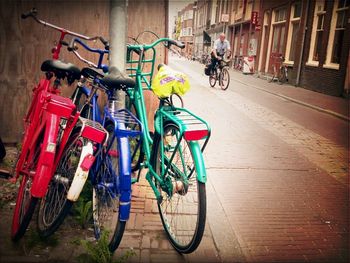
[329,112]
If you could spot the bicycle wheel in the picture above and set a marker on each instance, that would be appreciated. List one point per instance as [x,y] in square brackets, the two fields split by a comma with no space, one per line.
[137,153]
[55,206]
[183,212]
[282,78]
[212,79]
[224,79]
[2,150]
[105,197]
[25,202]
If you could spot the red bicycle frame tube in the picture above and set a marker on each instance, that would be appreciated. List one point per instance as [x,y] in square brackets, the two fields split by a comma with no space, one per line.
[43,119]
[56,50]
[44,171]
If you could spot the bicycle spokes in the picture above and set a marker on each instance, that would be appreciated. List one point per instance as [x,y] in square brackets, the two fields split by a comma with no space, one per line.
[180,196]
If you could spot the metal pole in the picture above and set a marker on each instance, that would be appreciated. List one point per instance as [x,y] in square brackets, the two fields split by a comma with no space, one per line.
[304,27]
[118,35]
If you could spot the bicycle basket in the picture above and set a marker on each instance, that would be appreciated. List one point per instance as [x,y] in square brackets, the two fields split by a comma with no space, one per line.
[168,81]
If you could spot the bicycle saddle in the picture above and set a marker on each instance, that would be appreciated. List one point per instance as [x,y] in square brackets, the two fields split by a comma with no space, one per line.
[117,80]
[91,73]
[61,69]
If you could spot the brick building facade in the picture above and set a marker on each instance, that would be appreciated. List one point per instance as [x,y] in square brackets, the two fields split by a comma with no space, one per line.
[312,35]
[184,22]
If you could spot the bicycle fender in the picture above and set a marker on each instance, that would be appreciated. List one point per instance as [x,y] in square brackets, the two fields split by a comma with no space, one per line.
[45,166]
[198,161]
[125,178]
[81,174]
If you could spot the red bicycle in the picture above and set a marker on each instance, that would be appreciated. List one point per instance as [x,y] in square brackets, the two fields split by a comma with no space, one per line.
[49,129]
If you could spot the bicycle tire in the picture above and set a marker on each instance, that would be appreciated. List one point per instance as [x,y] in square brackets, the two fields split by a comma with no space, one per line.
[2,150]
[223,87]
[212,80]
[20,222]
[198,230]
[282,77]
[25,202]
[102,197]
[66,168]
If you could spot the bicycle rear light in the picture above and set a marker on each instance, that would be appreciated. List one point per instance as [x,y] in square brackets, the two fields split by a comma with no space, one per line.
[195,135]
[93,131]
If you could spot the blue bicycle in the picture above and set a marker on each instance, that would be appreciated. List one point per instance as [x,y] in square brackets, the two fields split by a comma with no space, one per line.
[111,174]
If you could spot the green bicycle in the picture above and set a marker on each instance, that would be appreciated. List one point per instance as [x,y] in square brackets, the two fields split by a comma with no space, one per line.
[172,155]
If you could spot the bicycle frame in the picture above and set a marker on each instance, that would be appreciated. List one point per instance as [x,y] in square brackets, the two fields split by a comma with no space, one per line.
[163,114]
[43,119]
[123,187]
[47,115]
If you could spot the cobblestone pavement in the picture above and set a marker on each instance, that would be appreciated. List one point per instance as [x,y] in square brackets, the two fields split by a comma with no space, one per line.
[277,186]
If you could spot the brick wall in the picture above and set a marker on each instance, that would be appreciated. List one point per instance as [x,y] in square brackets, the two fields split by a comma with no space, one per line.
[329,81]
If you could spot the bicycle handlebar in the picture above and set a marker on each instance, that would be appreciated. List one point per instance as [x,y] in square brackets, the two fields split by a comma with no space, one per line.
[73,48]
[71,45]
[176,43]
[33,13]
[159,40]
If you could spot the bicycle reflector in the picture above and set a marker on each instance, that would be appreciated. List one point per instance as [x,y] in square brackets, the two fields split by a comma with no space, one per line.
[195,135]
[93,131]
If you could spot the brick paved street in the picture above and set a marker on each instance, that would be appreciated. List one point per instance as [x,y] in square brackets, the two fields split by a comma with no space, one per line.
[277,183]
[282,186]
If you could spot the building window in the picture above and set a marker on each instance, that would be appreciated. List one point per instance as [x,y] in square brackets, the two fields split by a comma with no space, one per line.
[279,31]
[277,38]
[317,33]
[339,31]
[336,35]
[280,15]
[293,32]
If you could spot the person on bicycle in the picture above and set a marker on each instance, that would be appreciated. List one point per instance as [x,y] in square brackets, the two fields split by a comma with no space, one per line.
[221,46]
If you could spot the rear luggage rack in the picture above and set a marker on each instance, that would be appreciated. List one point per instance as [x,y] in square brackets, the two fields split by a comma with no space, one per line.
[128,124]
[192,127]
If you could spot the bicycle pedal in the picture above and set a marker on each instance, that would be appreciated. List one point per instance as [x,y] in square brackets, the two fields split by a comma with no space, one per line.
[113,153]
[6,175]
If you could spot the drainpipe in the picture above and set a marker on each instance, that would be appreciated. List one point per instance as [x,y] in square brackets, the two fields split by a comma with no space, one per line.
[118,35]
[297,82]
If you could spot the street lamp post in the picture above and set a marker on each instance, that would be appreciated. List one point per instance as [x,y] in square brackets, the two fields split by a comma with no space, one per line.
[118,34]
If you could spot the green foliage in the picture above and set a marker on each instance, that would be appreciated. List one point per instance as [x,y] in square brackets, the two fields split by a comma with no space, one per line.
[5,163]
[83,208]
[83,212]
[8,191]
[19,147]
[33,240]
[98,251]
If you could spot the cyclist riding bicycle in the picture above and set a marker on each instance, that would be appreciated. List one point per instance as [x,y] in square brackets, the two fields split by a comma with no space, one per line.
[221,46]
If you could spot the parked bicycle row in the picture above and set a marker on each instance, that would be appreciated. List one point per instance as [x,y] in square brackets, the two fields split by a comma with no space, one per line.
[69,143]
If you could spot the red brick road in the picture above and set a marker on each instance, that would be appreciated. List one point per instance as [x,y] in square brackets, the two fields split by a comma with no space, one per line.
[275,179]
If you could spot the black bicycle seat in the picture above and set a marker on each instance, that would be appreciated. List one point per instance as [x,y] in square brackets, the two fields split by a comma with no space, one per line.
[91,73]
[117,80]
[61,69]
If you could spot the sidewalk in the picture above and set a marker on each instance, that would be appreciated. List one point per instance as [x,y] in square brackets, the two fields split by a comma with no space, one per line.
[336,106]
